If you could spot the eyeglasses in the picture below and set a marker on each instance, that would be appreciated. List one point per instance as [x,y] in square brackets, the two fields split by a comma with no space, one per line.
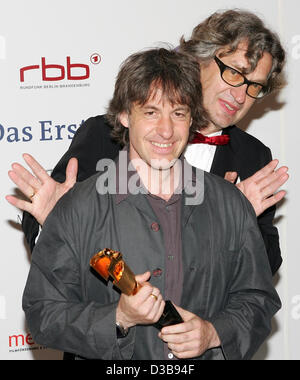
[236,79]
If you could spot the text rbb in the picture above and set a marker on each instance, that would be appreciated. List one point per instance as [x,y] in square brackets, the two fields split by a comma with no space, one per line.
[59,71]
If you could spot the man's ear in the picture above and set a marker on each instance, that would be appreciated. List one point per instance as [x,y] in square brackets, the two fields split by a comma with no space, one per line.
[124,119]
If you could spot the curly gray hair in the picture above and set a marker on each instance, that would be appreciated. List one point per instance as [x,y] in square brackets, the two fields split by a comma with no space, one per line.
[228,29]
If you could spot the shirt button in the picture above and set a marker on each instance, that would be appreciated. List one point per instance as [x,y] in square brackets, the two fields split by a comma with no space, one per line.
[155,227]
[157,272]
[170,355]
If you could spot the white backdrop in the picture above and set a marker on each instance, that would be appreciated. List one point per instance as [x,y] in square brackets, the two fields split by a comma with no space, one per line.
[40,117]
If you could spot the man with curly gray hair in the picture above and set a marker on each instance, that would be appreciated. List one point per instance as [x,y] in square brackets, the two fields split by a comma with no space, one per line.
[241,62]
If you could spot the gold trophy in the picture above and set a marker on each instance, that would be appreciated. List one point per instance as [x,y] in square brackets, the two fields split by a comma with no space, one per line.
[109,263]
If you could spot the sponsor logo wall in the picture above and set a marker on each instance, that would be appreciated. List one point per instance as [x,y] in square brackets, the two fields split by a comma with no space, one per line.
[58,63]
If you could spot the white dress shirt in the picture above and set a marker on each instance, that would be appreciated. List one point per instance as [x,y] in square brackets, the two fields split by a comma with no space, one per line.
[201,155]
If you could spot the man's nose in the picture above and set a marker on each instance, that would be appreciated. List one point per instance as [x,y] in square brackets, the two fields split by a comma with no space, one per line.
[239,93]
[165,127]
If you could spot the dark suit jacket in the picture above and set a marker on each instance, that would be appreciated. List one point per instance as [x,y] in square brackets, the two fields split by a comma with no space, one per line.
[244,154]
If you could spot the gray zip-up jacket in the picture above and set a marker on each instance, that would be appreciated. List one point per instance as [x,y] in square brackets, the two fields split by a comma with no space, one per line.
[226,275]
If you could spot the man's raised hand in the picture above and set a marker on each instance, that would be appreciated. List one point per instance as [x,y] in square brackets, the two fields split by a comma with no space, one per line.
[42,191]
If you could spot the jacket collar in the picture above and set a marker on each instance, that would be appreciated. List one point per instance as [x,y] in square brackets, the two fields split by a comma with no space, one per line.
[190,178]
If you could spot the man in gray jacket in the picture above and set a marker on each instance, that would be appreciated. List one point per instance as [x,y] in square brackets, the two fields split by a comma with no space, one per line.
[192,237]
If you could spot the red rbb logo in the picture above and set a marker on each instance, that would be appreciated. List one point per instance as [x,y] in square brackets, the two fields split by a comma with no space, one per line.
[60,69]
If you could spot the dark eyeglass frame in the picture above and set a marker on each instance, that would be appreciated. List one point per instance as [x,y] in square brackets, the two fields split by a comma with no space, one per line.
[223,67]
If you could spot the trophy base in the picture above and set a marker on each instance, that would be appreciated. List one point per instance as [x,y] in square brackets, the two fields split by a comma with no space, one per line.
[170,316]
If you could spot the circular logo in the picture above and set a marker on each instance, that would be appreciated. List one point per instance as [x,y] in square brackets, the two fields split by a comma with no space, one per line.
[95,59]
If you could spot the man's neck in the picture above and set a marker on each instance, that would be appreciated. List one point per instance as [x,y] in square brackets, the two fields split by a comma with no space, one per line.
[160,182]
[211,128]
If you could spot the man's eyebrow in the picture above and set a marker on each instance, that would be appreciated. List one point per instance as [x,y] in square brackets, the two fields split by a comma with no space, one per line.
[149,106]
[177,107]
[182,107]
[238,66]
[243,69]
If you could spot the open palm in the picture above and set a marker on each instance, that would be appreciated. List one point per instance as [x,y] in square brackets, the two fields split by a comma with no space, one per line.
[42,190]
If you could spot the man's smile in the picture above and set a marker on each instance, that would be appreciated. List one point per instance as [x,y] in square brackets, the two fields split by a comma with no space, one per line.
[228,107]
[160,145]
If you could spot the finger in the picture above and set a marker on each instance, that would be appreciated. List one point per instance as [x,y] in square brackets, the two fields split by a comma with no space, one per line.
[266,170]
[231,176]
[71,172]
[155,292]
[265,181]
[176,329]
[144,288]
[37,169]
[154,301]
[161,308]
[19,203]
[156,308]
[272,187]
[178,338]
[271,201]
[181,344]
[26,189]
[187,354]
[185,345]
[25,175]
[144,277]
[185,314]
[154,297]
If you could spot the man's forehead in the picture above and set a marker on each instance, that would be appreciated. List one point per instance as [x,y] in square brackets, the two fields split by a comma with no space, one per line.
[238,58]
[157,96]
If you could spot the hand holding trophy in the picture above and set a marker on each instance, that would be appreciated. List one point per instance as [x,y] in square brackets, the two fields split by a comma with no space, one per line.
[109,263]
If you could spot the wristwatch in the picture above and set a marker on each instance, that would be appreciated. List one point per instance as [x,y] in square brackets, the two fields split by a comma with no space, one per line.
[121,330]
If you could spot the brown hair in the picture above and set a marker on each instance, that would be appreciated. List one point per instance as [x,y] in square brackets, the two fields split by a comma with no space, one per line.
[177,74]
[228,29]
